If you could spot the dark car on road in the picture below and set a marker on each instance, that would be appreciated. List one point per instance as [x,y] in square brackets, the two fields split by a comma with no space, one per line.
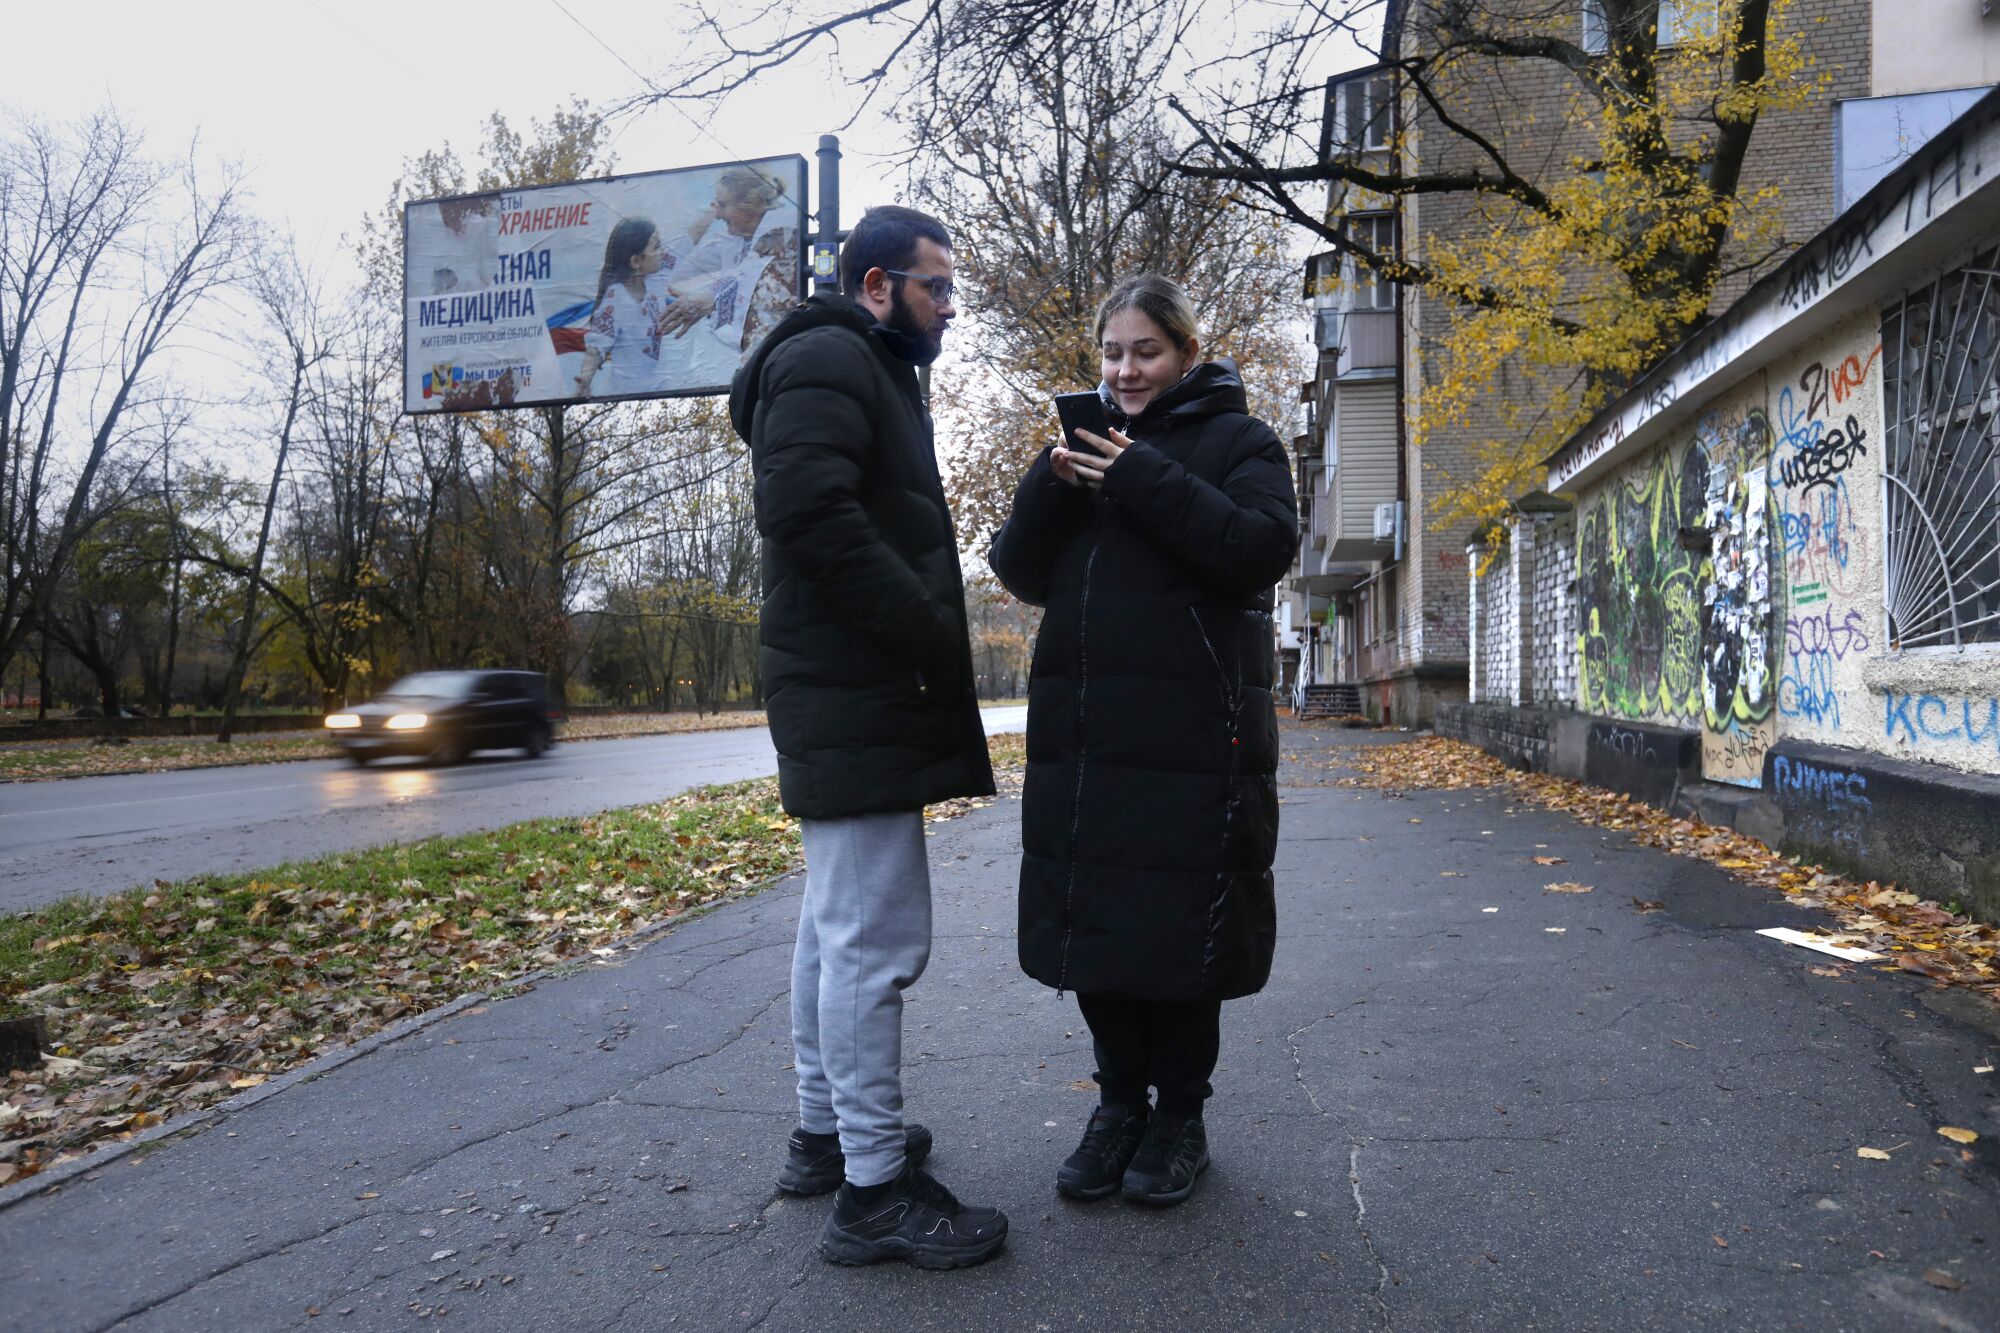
[446,715]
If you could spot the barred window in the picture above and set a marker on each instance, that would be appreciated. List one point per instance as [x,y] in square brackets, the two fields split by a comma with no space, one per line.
[1941,471]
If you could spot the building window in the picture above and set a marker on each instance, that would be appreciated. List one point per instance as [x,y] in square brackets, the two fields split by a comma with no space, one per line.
[1941,462]
[1364,288]
[1676,25]
[1363,113]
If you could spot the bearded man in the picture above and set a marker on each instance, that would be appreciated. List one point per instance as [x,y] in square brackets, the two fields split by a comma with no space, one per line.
[868,684]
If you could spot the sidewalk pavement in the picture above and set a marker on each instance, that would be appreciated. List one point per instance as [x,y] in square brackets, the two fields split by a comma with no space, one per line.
[1437,1116]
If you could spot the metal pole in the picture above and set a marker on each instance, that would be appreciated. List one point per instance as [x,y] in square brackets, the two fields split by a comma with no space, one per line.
[826,249]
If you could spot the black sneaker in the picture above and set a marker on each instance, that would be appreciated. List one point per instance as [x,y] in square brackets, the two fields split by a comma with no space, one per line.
[1097,1166]
[1173,1153]
[918,1220]
[814,1163]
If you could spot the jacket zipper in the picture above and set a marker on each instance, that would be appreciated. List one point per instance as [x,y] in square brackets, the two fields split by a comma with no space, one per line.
[1076,803]
[1231,695]
[1228,685]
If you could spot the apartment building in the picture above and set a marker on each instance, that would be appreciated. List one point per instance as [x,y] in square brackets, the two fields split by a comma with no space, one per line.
[1376,614]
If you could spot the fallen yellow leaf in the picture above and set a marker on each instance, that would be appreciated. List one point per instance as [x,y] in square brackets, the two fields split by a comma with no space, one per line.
[1957,1135]
[1872,1154]
[1566,887]
[247,1081]
[1551,860]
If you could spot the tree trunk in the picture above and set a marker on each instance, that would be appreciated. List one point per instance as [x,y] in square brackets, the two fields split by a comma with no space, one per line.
[42,680]
[239,662]
[173,592]
[556,662]
[107,688]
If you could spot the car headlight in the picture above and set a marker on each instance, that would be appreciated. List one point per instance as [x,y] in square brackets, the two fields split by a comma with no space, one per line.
[342,721]
[408,722]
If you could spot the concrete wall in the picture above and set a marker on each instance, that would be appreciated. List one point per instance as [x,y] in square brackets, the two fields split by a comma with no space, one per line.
[1922,45]
[1552,651]
[1779,627]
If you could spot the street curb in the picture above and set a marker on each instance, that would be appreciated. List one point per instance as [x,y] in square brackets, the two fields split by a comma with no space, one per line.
[55,1177]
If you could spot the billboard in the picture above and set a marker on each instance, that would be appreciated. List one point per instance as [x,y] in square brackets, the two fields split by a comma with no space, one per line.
[644,286]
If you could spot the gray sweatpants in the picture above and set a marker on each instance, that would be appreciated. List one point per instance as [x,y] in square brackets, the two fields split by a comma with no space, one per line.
[864,936]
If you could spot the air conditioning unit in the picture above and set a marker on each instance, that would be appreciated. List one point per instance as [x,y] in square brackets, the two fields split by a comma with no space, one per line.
[1388,519]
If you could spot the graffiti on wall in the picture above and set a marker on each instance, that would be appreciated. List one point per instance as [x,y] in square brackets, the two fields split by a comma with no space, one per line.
[1834,800]
[1821,444]
[1674,570]
[1930,721]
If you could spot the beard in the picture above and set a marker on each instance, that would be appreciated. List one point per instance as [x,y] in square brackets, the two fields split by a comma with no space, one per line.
[914,340]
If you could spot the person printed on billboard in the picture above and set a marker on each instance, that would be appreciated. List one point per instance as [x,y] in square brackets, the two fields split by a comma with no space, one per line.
[716,282]
[632,299]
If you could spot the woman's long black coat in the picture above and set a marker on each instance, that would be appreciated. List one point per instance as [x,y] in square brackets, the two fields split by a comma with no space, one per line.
[1150,816]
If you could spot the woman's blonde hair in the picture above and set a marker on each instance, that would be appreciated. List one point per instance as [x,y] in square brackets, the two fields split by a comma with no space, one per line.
[1159,299]
[747,183]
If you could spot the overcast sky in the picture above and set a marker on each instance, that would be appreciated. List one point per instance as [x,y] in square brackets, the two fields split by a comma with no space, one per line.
[323,100]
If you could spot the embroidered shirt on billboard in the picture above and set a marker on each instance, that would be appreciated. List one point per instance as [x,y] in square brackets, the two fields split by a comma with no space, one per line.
[626,329]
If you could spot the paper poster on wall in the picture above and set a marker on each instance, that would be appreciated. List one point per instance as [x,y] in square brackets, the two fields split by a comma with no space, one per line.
[643,286]
[1739,620]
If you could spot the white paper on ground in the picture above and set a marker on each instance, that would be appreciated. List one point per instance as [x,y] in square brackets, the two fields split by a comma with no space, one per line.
[1805,941]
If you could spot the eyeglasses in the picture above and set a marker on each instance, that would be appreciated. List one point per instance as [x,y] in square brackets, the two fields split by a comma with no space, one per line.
[939,287]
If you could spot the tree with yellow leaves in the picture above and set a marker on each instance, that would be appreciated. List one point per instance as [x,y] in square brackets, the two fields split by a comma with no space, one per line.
[1584,176]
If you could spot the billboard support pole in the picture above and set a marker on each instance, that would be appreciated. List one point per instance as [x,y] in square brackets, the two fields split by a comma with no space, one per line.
[826,249]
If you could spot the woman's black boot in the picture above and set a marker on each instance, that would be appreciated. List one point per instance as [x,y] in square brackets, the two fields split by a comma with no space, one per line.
[1173,1152]
[1097,1166]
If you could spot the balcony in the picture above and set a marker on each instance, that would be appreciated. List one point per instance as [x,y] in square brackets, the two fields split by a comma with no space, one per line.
[1364,341]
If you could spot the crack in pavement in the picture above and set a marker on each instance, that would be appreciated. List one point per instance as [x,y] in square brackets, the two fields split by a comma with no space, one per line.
[689,979]
[798,1280]
[265,1253]
[1375,1294]
[1353,1156]
[1292,1044]
[705,1110]
[613,1098]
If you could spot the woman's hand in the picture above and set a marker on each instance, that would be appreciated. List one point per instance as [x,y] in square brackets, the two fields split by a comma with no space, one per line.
[1059,463]
[1085,467]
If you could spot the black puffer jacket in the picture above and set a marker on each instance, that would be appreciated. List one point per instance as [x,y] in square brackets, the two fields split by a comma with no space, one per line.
[1150,816]
[867,672]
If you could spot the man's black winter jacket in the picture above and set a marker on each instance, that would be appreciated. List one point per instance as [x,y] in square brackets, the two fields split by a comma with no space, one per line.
[867,672]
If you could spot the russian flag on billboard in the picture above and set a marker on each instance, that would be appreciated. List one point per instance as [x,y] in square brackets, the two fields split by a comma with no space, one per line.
[566,327]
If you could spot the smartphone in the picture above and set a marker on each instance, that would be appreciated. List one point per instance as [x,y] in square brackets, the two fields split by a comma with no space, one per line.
[1082,411]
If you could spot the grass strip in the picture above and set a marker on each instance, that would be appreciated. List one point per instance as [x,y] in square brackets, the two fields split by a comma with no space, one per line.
[161,1001]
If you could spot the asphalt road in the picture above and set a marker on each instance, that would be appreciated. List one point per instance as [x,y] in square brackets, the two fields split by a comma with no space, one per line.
[1441,1114]
[100,835]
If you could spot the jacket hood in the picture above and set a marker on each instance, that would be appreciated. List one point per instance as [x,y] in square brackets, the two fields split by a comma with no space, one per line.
[818,311]
[1208,390]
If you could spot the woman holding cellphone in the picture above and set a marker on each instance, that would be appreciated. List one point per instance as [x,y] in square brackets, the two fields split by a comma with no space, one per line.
[1150,815]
